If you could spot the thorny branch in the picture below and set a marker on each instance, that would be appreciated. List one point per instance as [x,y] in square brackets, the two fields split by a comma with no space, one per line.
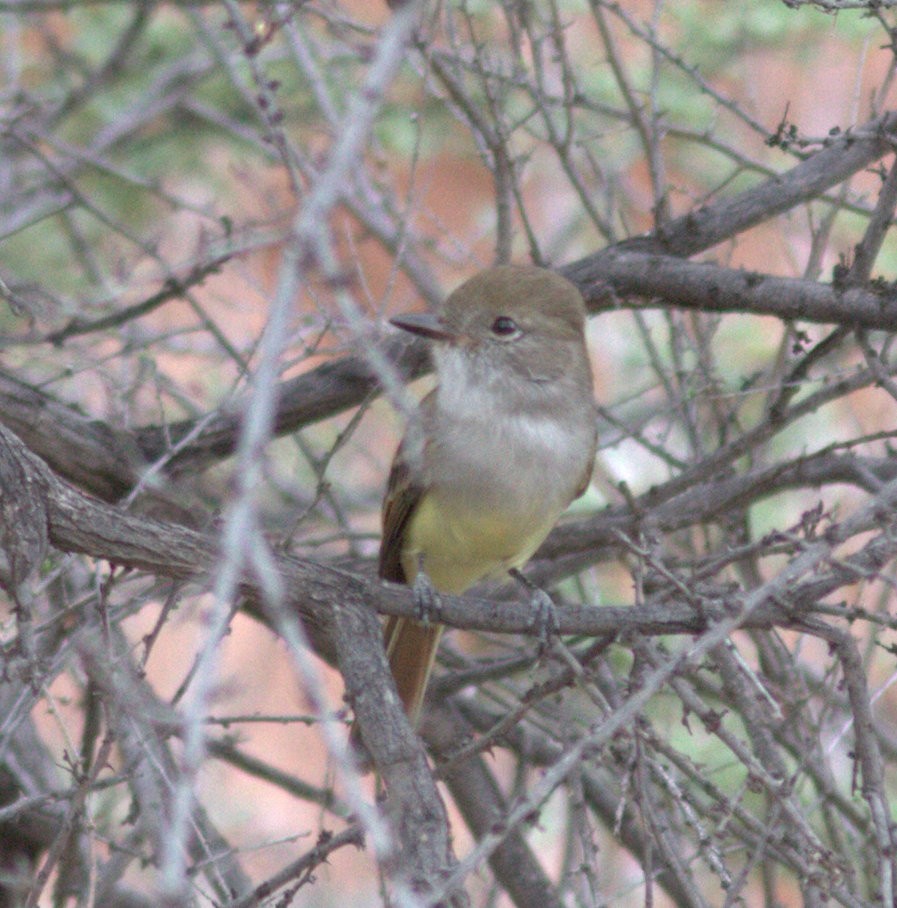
[739,538]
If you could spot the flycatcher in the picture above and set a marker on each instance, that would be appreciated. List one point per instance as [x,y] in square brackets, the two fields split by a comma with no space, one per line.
[508,441]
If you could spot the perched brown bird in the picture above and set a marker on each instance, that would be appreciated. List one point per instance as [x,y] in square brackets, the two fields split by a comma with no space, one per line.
[508,442]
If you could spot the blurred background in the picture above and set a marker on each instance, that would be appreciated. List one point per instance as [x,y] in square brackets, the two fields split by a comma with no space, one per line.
[154,160]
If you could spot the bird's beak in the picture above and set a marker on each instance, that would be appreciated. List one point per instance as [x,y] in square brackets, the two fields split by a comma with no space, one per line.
[426,324]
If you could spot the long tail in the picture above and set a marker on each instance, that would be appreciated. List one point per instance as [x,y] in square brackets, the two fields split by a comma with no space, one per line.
[411,648]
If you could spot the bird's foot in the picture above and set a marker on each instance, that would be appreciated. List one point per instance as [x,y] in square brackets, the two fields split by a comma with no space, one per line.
[544,620]
[426,599]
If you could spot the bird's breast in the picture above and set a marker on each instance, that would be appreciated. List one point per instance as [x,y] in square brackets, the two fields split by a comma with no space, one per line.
[494,488]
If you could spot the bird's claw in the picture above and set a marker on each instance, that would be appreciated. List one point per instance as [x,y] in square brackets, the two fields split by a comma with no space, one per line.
[426,599]
[544,620]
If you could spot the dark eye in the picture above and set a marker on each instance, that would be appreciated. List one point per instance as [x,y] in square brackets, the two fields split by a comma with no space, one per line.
[504,326]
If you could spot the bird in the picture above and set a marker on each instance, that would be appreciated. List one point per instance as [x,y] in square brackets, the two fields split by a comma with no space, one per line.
[504,443]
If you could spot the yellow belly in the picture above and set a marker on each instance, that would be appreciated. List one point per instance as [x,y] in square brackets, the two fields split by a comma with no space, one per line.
[459,544]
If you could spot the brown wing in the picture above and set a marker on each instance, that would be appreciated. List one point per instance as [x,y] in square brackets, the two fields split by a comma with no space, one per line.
[410,646]
[399,503]
[403,492]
